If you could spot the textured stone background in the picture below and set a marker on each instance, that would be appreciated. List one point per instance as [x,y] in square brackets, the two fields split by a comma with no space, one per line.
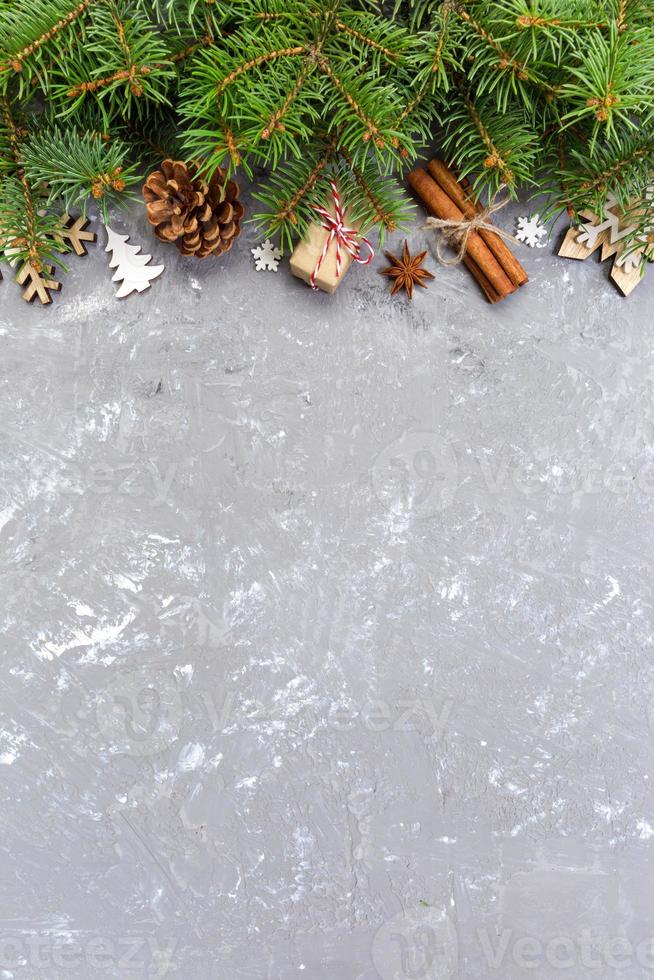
[327,627]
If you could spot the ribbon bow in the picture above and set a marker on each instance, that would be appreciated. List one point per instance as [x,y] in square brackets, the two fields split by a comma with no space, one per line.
[347,238]
[457,232]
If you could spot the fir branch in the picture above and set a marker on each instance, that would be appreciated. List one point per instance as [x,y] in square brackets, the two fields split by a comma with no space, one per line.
[623,168]
[505,60]
[18,57]
[26,234]
[204,42]
[125,64]
[513,89]
[122,75]
[495,158]
[436,70]
[383,215]
[275,120]
[528,20]
[413,104]
[365,40]
[372,131]
[180,16]
[436,66]
[153,146]
[232,146]
[621,18]
[261,59]
[30,242]
[609,83]
[288,211]
[560,153]
[497,146]
[490,52]
[120,32]
[359,35]
[372,200]
[75,167]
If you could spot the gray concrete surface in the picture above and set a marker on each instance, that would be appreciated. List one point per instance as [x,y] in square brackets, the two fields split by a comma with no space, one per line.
[327,627]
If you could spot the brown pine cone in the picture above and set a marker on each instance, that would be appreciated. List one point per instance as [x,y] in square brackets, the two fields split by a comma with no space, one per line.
[200,218]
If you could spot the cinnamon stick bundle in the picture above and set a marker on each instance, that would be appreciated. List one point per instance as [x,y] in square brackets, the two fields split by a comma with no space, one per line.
[444,176]
[495,268]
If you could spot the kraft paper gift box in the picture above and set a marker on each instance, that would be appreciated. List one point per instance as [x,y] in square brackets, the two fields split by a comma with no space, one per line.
[306,254]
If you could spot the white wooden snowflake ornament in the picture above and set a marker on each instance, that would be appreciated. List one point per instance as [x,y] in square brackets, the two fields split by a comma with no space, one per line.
[266,256]
[530,231]
[615,234]
[131,267]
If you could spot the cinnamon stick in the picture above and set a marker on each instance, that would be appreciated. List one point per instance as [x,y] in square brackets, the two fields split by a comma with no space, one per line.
[453,188]
[438,203]
[490,293]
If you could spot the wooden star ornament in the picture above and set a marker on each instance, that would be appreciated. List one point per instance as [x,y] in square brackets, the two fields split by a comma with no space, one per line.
[406,271]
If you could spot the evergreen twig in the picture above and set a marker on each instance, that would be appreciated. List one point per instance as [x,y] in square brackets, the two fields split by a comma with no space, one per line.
[551,94]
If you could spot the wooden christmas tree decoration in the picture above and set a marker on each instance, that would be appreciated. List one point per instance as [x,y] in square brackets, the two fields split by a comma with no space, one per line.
[73,231]
[130,266]
[611,234]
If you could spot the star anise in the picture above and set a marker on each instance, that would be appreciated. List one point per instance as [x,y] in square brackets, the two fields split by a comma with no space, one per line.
[407,271]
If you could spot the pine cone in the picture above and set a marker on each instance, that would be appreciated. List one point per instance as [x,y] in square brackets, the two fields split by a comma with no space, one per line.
[200,218]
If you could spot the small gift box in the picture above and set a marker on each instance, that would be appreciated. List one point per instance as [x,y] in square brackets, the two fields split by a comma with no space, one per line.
[328,249]
[307,253]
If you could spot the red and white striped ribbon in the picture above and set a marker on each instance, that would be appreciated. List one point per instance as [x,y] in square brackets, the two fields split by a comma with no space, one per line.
[348,238]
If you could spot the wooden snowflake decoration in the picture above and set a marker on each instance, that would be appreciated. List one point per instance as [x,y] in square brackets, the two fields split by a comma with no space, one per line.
[39,282]
[266,256]
[530,231]
[611,234]
[74,233]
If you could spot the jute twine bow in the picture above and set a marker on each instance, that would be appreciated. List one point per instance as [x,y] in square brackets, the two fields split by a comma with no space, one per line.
[345,237]
[456,232]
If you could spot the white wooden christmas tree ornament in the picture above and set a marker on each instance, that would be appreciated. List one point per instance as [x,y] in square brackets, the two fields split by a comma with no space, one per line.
[130,266]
